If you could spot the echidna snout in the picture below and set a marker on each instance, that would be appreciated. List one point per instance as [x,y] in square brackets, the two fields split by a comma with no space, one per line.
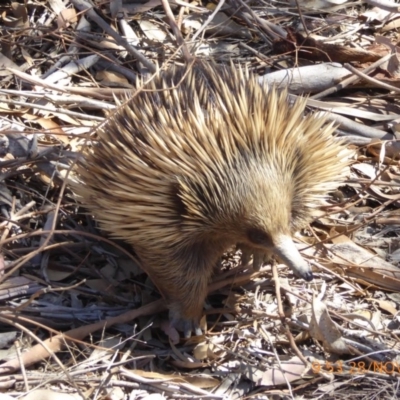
[287,252]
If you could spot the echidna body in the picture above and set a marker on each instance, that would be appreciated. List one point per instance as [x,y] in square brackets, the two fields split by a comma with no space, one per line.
[205,157]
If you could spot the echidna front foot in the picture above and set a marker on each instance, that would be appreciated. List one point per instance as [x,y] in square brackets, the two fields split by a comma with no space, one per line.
[259,256]
[185,325]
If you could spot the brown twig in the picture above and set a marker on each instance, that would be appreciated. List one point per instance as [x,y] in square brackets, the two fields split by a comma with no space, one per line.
[86,7]
[178,36]
[283,317]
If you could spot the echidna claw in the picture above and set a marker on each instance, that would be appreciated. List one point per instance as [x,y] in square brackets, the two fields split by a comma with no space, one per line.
[187,326]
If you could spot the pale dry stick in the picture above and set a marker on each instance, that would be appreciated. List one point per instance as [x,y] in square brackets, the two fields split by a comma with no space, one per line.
[353,140]
[283,317]
[278,291]
[56,110]
[261,56]
[355,316]
[385,5]
[42,344]
[342,109]
[63,186]
[300,324]
[180,17]
[188,5]
[348,125]
[99,93]
[371,353]
[267,338]
[20,213]
[76,100]
[34,80]
[86,7]
[23,370]
[303,22]
[56,343]
[128,32]
[392,25]
[9,225]
[387,221]
[353,229]
[41,258]
[152,381]
[320,266]
[14,218]
[274,31]
[372,80]
[71,52]
[77,341]
[73,68]
[36,252]
[178,36]
[44,291]
[49,247]
[114,66]
[66,232]
[350,79]
[134,340]
[107,43]
[342,35]
[208,20]
[82,368]
[107,375]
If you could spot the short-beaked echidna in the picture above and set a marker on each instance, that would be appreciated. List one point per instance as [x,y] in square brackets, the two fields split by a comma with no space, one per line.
[202,158]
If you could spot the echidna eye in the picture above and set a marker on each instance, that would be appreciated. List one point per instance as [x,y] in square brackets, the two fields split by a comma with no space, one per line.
[259,237]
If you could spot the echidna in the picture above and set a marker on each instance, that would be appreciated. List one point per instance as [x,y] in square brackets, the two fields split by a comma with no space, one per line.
[205,157]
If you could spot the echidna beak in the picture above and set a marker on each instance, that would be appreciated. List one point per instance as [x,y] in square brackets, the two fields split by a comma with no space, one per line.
[287,252]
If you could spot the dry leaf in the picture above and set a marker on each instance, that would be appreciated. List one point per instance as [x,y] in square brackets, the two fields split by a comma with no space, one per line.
[100,355]
[6,63]
[56,273]
[206,350]
[386,306]
[198,380]
[113,79]
[115,7]
[288,371]
[323,329]
[19,19]
[318,50]
[66,18]
[366,266]
[317,4]
[152,31]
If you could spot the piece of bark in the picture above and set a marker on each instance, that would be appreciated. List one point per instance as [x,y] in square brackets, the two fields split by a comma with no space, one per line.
[308,79]
[316,50]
